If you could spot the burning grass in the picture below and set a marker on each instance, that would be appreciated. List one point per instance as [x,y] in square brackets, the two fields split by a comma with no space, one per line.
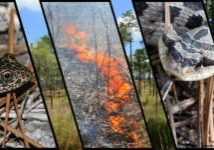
[119,89]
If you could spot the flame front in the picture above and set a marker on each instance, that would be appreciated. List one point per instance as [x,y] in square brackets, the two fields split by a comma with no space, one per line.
[118,88]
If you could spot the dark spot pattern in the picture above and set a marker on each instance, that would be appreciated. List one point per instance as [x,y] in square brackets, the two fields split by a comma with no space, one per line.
[200,34]
[189,62]
[176,56]
[12,74]
[207,62]
[190,46]
[203,46]
[167,41]
[141,7]
[175,11]
[182,32]
[194,22]
[190,50]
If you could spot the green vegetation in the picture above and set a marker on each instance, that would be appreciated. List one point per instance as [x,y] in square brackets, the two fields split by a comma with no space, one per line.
[154,114]
[46,64]
[153,109]
[155,117]
[209,8]
[62,119]
[141,68]
[127,28]
[57,101]
[55,95]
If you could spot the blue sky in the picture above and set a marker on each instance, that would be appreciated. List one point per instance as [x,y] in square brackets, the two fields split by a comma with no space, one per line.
[121,6]
[32,19]
[35,26]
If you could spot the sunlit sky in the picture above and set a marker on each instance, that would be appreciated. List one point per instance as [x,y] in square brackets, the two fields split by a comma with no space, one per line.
[32,19]
[119,8]
[35,27]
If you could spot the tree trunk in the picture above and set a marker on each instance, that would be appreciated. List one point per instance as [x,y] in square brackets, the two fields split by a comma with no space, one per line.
[51,99]
[150,82]
[130,50]
[212,3]
[139,78]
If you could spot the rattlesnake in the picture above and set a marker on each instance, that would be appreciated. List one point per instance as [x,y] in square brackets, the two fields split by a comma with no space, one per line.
[12,74]
[188,55]
[182,53]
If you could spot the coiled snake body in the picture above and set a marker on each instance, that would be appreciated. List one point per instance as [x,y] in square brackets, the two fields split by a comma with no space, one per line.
[12,74]
[186,50]
[188,55]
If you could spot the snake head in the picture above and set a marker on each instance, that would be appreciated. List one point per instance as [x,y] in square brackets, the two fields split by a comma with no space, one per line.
[12,74]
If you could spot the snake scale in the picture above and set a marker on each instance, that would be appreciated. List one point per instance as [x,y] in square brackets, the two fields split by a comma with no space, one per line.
[188,55]
[12,74]
[186,50]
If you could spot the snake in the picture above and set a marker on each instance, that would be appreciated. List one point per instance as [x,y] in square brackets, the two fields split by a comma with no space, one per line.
[186,50]
[188,55]
[13,75]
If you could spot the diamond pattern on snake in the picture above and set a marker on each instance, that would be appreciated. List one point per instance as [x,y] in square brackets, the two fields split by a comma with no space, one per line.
[182,57]
[186,51]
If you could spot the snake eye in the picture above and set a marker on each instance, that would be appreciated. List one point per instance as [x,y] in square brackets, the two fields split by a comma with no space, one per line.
[6,76]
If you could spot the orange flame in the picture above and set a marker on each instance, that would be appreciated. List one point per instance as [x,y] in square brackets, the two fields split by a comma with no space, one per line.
[116,122]
[112,106]
[116,83]
[70,30]
[81,53]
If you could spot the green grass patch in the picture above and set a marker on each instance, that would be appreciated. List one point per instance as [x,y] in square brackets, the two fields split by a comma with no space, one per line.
[155,117]
[63,122]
